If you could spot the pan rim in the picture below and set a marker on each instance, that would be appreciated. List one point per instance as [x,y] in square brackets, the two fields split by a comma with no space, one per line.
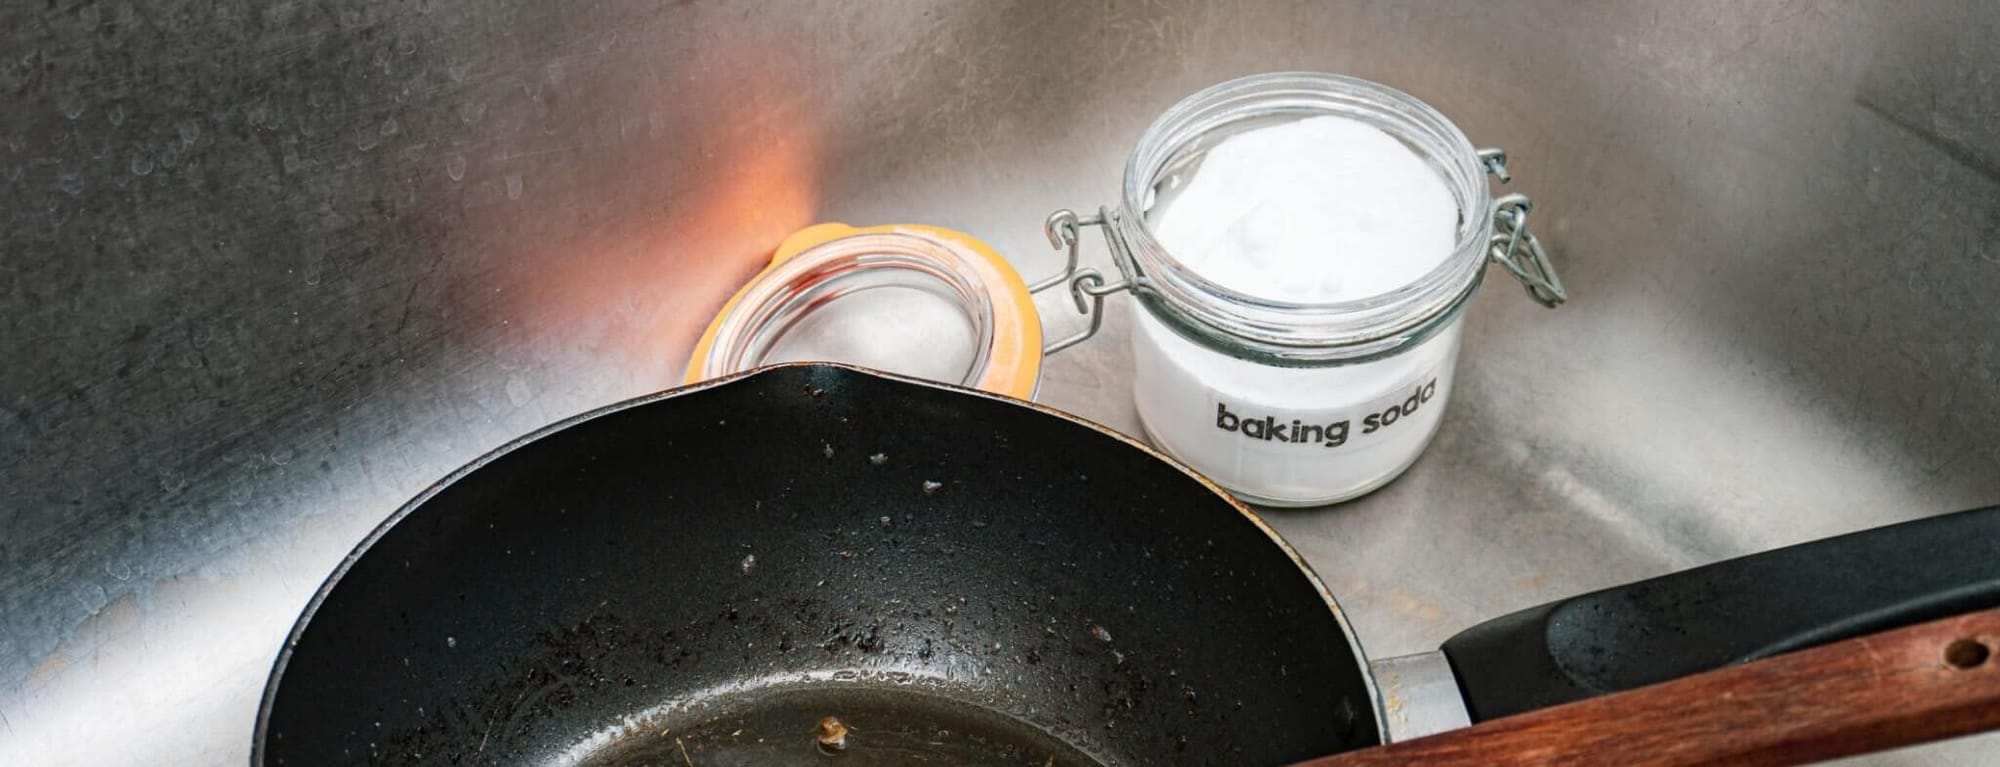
[261,732]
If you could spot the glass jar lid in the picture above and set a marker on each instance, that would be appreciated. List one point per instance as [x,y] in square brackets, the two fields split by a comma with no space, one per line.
[916,300]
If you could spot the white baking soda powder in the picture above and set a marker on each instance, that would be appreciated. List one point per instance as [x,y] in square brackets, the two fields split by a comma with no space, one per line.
[1320,210]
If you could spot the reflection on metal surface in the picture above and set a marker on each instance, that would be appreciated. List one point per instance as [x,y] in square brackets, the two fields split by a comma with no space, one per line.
[731,165]
[267,271]
[1419,695]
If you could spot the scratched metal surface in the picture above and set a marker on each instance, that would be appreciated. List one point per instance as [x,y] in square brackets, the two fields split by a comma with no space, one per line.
[268,269]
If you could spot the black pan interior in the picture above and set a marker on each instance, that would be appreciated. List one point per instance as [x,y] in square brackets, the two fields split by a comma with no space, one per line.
[705,576]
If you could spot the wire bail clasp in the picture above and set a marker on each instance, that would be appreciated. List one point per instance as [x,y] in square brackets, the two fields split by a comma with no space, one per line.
[1087,287]
[1515,248]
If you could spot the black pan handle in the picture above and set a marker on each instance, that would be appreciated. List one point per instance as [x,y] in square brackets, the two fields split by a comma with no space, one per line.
[1729,612]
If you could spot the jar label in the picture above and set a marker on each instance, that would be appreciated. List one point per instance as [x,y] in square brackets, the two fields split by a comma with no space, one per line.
[1290,435]
[1333,428]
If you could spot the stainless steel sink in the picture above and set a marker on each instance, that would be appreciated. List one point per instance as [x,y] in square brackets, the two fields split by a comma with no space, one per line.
[268,269]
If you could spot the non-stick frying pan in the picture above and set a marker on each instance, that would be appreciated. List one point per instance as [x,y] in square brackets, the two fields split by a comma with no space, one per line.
[816,562]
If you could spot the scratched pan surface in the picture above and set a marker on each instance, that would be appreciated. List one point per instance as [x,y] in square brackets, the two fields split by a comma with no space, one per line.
[704,577]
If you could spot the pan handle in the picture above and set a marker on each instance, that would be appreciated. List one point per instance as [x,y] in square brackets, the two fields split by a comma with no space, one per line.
[1913,685]
[1730,612]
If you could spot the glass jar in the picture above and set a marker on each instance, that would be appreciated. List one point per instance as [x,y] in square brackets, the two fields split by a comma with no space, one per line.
[1287,403]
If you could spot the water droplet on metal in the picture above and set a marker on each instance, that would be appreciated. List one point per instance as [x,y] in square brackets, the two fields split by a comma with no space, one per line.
[454,166]
[513,186]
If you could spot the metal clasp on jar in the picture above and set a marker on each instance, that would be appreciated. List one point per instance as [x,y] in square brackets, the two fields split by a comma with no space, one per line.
[1086,285]
[1512,246]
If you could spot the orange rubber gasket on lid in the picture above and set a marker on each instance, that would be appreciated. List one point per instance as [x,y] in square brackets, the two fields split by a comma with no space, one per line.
[1014,364]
